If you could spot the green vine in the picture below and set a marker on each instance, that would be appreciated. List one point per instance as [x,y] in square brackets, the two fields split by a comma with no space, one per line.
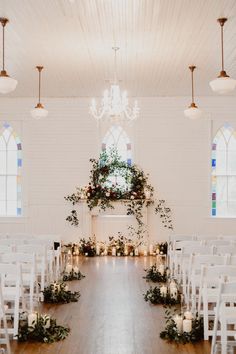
[102,190]
[58,293]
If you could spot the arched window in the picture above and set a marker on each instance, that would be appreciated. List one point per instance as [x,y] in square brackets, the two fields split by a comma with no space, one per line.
[224,172]
[117,138]
[10,171]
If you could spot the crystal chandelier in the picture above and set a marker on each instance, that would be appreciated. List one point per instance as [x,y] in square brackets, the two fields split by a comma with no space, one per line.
[114,104]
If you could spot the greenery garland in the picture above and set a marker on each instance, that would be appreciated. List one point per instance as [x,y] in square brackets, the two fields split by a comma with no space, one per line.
[101,192]
[172,335]
[44,329]
[154,275]
[58,293]
[72,275]
[154,296]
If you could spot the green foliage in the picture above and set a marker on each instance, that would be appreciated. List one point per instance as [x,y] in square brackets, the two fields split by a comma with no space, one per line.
[170,333]
[162,247]
[72,275]
[58,293]
[87,247]
[100,191]
[154,296]
[39,332]
[153,274]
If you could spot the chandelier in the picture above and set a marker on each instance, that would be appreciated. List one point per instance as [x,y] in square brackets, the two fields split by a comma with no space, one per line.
[114,104]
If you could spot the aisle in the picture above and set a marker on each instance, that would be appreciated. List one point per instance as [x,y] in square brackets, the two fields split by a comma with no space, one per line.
[111,316]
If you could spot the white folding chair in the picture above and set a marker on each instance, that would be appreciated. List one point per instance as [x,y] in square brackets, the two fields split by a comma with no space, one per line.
[4,339]
[208,292]
[225,249]
[13,293]
[225,314]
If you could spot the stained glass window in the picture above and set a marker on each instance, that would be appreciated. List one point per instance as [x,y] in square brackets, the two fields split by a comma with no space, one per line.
[10,172]
[223,164]
[116,137]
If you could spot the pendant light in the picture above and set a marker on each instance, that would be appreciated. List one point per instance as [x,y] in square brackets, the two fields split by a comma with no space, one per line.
[193,112]
[223,84]
[39,111]
[7,84]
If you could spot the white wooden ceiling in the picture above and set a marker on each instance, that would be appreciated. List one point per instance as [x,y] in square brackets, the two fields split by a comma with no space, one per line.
[158,39]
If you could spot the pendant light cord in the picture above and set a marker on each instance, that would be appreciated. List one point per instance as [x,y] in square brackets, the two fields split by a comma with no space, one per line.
[39,86]
[3,47]
[192,87]
[222,47]
[115,64]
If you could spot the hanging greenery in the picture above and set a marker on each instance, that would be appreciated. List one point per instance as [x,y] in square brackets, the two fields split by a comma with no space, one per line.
[43,329]
[136,193]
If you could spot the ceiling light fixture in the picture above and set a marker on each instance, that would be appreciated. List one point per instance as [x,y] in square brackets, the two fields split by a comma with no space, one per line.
[114,104]
[223,84]
[193,112]
[7,84]
[39,111]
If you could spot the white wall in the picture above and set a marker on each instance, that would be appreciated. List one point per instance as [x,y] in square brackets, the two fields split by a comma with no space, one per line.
[174,150]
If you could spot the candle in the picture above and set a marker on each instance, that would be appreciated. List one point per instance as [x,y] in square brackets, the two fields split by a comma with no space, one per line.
[86,254]
[69,252]
[172,284]
[105,252]
[179,323]
[167,272]
[188,315]
[136,252]
[145,253]
[126,252]
[151,250]
[32,319]
[97,250]
[113,251]
[46,321]
[68,268]
[163,290]
[161,269]
[187,326]
[131,254]
[118,254]
[157,251]
[76,269]
[173,292]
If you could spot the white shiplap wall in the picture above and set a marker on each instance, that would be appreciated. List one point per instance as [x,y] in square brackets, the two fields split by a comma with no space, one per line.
[174,150]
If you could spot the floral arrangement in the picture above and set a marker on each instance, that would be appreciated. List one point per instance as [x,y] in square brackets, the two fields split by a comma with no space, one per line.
[58,293]
[161,248]
[101,192]
[40,328]
[87,247]
[123,246]
[162,295]
[71,249]
[71,273]
[183,329]
[157,274]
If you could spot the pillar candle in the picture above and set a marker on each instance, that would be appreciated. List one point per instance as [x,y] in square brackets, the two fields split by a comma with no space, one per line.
[136,251]
[163,290]
[188,315]
[145,253]
[126,252]
[76,269]
[157,251]
[187,326]
[68,268]
[118,254]
[173,292]
[86,254]
[151,250]
[179,323]
[32,319]
[98,250]
[161,269]
[131,254]
[113,251]
[105,252]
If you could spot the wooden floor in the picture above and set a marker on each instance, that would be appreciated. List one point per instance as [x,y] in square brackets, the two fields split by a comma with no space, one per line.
[111,316]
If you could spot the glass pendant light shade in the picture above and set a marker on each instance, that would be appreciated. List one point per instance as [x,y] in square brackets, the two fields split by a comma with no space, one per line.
[39,111]
[193,112]
[7,84]
[223,84]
